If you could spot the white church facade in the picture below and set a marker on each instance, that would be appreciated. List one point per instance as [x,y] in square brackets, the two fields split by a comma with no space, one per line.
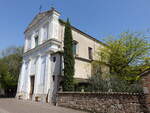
[42,67]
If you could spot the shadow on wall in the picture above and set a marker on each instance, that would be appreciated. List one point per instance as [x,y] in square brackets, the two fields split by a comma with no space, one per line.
[8,93]
[2,93]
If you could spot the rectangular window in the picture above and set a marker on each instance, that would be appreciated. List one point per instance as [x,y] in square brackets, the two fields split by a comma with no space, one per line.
[75,43]
[36,41]
[90,53]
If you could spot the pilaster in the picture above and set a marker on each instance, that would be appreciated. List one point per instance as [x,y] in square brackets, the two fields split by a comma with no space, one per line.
[25,44]
[37,74]
[41,35]
[32,41]
[20,81]
[27,81]
[54,25]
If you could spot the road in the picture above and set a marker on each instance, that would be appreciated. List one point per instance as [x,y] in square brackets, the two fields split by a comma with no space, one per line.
[21,106]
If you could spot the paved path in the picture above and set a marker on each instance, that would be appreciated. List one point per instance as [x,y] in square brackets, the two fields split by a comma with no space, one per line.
[20,106]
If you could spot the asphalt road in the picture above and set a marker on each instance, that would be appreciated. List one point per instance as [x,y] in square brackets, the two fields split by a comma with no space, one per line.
[20,106]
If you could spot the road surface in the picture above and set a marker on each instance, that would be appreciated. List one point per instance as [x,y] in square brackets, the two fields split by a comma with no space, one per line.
[21,106]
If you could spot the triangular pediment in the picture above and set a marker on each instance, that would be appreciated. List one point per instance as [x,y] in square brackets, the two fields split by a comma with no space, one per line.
[37,18]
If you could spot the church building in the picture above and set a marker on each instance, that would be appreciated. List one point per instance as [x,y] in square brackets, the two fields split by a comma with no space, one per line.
[42,67]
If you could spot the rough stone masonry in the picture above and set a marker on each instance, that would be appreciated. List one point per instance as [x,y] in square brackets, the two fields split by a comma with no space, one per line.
[103,102]
[109,102]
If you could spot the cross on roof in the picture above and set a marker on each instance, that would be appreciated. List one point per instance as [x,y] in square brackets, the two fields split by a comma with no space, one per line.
[40,8]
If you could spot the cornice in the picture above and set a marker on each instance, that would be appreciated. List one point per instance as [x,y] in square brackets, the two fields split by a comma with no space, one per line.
[43,45]
[83,59]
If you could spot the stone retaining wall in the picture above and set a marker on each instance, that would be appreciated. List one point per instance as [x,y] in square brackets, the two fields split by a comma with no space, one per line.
[146,86]
[103,102]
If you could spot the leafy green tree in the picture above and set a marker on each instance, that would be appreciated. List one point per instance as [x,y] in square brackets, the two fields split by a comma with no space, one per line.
[3,72]
[126,55]
[146,64]
[10,64]
[69,62]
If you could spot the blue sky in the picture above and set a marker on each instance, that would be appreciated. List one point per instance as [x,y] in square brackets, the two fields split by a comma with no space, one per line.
[99,18]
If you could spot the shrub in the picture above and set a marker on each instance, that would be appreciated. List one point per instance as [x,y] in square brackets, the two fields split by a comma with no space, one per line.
[112,84]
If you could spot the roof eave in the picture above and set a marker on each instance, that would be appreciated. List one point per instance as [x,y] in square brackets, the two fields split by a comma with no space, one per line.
[63,22]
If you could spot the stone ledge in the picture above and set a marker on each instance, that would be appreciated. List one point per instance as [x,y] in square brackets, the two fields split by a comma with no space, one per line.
[101,93]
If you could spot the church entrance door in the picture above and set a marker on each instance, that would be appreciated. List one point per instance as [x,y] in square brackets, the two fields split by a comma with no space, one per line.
[32,79]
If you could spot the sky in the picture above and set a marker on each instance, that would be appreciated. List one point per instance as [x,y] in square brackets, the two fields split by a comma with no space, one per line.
[98,18]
